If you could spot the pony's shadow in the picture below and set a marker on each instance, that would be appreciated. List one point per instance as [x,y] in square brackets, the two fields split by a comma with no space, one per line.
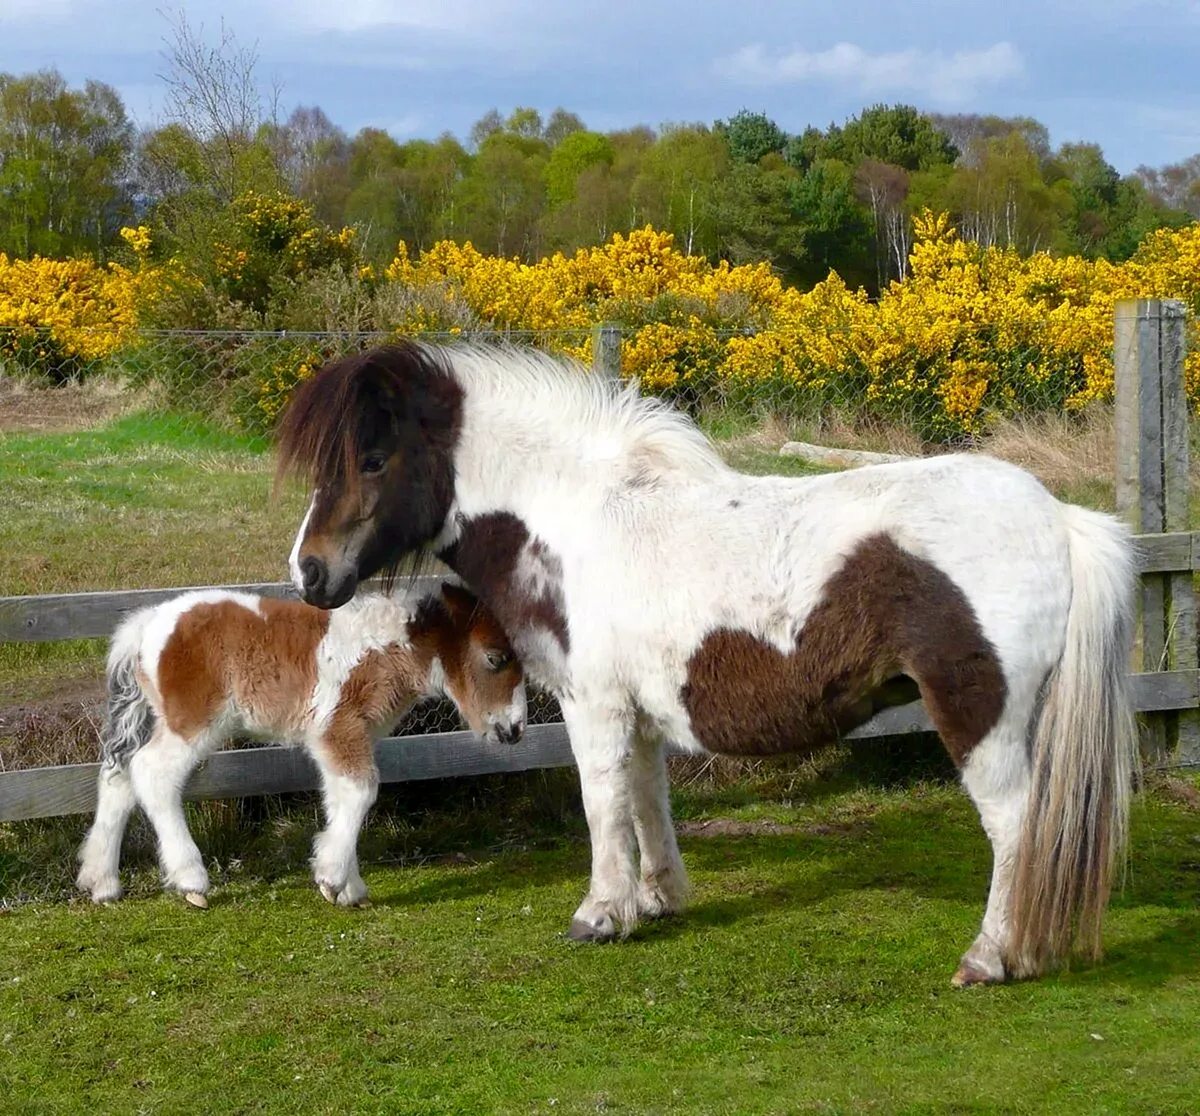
[806,867]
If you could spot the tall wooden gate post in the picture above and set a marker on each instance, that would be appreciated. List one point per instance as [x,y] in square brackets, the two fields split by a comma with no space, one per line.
[1153,494]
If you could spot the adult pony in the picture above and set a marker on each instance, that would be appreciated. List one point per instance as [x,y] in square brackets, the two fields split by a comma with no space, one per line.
[664,596]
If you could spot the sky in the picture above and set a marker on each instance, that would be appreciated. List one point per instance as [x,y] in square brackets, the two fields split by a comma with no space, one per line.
[1121,73]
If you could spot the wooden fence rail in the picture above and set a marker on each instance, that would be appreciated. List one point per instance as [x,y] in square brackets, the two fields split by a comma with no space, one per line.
[1152,493]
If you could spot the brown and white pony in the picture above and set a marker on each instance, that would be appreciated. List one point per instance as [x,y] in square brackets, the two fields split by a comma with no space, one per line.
[664,596]
[187,674]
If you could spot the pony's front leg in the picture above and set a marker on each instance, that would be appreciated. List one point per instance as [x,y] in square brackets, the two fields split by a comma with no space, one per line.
[349,786]
[663,886]
[602,743]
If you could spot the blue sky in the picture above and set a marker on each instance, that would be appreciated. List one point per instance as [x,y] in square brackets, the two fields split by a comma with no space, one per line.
[1121,73]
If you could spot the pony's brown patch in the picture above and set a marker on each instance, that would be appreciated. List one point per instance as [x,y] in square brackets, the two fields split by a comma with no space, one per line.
[518,576]
[885,618]
[266,660]
[377,687]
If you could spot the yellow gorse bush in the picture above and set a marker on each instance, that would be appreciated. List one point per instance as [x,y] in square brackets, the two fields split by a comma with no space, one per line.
[971,331]
[59,316]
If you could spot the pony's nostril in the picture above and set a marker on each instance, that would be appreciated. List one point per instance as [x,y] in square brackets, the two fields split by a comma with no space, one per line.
[312,572]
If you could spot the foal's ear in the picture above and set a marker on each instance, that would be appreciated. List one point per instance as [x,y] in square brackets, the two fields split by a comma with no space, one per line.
[459,603]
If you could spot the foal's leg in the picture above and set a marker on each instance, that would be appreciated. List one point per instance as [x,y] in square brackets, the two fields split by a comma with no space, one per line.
[349,785]
[996,775]
[158,772]
[663,887]
[601,740]
[100,855]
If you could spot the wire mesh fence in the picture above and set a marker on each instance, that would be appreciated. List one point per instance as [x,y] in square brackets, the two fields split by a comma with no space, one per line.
[728,379]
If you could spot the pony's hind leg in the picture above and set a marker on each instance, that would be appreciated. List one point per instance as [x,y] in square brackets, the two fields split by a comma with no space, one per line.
[100,854]
[996,775]
[159,772]
[349,786]
[663,883]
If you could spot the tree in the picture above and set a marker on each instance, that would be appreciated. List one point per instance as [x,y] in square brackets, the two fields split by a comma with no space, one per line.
[487,125]
[573,155]
[678,186]
[1176,185]
[212,91]
[837,230]
[560,125]
[524,122]
[970,132]
[883,187]
[1001,198]
[895,134]
[751,136]
[65,160]
[502,195]
[313,156]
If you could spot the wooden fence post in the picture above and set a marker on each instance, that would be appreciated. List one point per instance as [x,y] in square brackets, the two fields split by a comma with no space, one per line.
[1153,494]
[606,351]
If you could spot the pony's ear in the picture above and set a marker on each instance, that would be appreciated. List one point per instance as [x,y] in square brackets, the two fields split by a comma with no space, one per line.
[459,603]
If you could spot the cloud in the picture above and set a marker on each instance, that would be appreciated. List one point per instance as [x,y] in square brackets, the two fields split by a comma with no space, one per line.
[946,78]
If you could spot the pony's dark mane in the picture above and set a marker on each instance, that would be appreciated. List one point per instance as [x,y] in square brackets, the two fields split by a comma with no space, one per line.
[325,427]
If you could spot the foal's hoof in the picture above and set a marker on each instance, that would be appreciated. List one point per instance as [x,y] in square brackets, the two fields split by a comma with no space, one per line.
[581,931]
[197,899]
[327,891]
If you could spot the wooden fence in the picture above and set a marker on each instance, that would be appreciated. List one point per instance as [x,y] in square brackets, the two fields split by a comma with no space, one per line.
[1152,492]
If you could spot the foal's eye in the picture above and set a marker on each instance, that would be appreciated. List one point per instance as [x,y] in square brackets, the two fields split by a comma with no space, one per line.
[374,463]
[498,660]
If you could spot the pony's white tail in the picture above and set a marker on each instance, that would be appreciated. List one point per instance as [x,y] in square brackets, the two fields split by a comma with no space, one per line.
[1084,754]
[128,717]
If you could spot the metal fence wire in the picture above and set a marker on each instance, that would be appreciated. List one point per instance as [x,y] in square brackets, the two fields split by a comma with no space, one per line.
[727,379]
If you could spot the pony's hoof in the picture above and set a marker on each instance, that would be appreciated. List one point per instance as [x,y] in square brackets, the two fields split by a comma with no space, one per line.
[581,931]
[327,891]
[105,892]
[197,899]
[969,974]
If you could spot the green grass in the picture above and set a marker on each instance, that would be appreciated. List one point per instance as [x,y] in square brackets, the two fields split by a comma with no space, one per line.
[146,501]
[810,975]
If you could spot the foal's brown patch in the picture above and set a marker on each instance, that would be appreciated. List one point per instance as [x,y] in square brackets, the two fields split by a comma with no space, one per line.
[885,617]
[266,660]
[487,556]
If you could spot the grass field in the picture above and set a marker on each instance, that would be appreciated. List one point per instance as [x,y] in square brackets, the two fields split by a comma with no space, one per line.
[832,898]
[810,975]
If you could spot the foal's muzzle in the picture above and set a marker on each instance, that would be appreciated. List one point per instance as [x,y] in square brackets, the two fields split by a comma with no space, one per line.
[506,733]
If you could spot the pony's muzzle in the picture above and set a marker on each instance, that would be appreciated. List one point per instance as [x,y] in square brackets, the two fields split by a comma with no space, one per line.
[313,576]
[316,587]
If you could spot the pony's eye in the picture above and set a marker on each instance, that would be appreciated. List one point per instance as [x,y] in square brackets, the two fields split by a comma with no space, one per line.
[498,660]
[374,463]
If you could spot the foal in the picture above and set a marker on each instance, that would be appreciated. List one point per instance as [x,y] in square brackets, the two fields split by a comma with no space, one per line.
[185,675]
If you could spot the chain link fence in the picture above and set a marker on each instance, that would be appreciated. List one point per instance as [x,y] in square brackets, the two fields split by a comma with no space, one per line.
[731,381]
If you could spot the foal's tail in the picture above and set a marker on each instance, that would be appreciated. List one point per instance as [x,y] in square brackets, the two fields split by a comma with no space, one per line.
[128,718]
[1084,754]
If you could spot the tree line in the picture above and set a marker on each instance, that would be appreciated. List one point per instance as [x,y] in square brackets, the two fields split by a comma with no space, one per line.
[74,169]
